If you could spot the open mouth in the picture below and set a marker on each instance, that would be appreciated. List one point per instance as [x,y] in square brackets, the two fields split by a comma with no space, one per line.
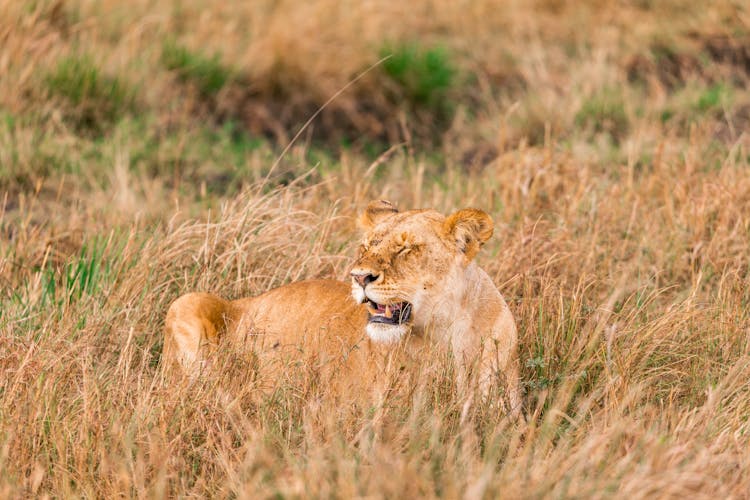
[390,314]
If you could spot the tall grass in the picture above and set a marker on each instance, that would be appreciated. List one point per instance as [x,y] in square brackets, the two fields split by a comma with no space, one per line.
[616,172]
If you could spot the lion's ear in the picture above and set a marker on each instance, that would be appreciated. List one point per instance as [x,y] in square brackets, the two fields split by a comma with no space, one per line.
[469,228]
[376,212]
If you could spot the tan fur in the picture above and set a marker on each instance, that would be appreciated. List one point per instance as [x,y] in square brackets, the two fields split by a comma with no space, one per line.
[418,256]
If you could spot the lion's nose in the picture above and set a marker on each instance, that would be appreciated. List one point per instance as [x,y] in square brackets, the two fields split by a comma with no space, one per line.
[363,278]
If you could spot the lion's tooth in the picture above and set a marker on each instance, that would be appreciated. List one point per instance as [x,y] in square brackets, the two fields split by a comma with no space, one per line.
[388,312]
[371,309]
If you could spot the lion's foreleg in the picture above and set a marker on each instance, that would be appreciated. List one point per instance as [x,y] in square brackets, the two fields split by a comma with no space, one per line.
[499,363]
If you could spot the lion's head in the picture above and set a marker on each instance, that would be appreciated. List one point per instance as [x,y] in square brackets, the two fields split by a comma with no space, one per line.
[410,265]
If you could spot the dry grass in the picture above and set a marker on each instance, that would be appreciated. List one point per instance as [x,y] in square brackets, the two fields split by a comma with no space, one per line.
[608,140]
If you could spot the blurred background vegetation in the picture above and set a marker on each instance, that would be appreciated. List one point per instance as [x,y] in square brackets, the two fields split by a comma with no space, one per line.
[196,88]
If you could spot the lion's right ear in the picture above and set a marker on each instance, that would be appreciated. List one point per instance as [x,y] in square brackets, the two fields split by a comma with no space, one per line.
[470,229]
[376,212]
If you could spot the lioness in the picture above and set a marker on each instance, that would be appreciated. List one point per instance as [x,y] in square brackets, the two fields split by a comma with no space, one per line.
[414,283]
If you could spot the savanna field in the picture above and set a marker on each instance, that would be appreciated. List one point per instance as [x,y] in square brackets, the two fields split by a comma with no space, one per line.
[148,149]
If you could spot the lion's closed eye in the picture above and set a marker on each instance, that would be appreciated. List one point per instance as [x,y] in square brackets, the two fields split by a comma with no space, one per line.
[407,249]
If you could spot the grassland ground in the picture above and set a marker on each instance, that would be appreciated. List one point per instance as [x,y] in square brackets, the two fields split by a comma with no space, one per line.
[138,161]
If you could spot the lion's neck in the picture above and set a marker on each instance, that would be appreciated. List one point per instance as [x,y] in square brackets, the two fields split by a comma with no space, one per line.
[467,292]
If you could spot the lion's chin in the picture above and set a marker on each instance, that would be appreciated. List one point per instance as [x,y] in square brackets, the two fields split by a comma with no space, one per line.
[385,333]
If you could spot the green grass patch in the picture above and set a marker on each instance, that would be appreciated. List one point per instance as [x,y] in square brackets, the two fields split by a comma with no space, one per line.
[29,153]
[712,98]
[81,279]
[666,115]
[92,100]
[604,112]
[207,72]
[197,161]
[82,275]
[237,142]
[697,102]
[424,74]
